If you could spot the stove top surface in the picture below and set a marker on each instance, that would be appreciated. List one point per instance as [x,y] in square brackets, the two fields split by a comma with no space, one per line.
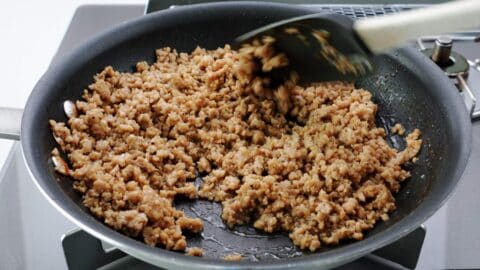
[452,239]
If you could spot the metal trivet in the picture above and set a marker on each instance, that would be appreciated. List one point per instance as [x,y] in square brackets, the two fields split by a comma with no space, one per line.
[85,252]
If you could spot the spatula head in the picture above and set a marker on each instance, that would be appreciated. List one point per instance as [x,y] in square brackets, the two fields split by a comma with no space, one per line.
[320,47]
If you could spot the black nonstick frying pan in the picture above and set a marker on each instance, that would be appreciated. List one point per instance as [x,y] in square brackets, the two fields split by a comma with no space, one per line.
[406,85]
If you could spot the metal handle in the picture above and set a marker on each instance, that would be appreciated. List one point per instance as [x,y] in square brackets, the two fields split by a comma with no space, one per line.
[93,256]
[386,32]
[10,123]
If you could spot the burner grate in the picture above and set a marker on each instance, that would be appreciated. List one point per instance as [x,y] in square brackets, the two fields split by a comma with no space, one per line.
[352,10]
[363,11]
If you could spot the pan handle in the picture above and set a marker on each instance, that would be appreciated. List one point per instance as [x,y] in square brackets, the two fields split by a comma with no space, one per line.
[386,32]
[10,123]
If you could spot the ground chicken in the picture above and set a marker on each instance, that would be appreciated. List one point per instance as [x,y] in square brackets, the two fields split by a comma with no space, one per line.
[234,257]
[308,160]
[194,251]
[398,129]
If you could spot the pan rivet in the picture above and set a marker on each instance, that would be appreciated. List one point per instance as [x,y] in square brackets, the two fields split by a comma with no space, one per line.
[69,108]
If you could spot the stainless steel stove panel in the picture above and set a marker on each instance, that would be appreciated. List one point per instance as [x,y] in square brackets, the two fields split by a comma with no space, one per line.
[30,228]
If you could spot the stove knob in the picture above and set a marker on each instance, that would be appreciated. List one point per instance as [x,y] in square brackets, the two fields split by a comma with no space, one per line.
[442,50]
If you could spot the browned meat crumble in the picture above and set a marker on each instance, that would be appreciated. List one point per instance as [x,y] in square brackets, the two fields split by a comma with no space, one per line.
[398,129]
[194,251]
[307,160]
[234,257]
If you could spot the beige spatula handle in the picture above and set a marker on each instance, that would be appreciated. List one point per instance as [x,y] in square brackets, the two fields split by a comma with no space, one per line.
[386,32]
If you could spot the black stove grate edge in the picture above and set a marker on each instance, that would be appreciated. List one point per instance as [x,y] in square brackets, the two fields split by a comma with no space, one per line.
[402,254]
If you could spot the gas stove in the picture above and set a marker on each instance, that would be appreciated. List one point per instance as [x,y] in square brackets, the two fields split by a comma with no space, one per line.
[35,236]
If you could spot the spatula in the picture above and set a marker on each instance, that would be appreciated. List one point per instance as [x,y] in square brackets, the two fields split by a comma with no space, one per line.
[325,47]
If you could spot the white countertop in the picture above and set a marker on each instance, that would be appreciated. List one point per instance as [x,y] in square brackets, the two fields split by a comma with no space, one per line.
[31,32]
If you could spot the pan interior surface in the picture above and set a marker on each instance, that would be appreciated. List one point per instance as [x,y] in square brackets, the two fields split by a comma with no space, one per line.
[405,85]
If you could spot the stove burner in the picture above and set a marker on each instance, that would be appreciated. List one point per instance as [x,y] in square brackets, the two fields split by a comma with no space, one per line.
[442,51]
[451,62]
[455,66]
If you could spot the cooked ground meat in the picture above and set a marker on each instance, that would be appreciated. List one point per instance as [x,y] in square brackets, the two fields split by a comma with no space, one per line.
[306,160]
[398,129]
[234,257]
[194,251]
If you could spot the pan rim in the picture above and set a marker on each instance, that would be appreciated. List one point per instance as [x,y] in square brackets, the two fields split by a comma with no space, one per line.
[330,258]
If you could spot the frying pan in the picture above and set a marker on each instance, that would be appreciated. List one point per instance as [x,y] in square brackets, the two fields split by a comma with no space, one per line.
[407,87]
